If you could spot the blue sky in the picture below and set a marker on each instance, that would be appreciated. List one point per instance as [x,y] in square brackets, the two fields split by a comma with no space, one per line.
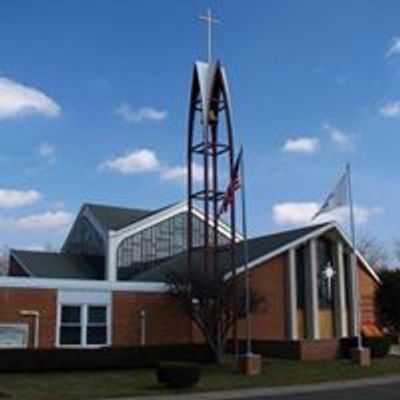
[93,104]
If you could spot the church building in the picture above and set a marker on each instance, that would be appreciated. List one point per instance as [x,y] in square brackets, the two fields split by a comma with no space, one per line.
[105,287]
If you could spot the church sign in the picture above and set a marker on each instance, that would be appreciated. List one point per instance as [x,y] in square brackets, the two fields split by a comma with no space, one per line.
[13,335]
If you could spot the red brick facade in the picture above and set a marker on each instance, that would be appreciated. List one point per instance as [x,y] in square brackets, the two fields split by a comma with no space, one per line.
[13,300]
[368,288]
[165,321]
[268,281]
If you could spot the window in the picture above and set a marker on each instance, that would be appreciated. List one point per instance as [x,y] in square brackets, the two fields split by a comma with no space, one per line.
[96,330]
[13,335]
[300,276]
[71,325]
[144,249]
[83,325]
[325,282]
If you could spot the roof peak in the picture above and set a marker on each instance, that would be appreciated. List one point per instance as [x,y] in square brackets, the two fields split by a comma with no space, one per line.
[310,227]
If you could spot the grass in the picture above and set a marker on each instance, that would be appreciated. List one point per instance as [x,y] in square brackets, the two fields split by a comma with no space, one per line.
[113,384]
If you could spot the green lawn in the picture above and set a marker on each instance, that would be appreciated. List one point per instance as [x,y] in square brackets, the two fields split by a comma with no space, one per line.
[97,385]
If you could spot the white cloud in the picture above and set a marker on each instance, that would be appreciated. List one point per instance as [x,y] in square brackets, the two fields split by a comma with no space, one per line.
[179,173]
[394,47]
[339,138]
[17,100]
[294,213]
[145,161]
[46,220]
[10,198]
[47,150]
[305,145]
[390,109]
[142,160]
[141,114]
[301,213]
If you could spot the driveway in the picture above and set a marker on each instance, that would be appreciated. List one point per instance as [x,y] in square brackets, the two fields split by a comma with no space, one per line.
[369,392]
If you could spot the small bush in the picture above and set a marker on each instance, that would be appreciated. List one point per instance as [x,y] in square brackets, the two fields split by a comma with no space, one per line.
[178,375]
[379,346]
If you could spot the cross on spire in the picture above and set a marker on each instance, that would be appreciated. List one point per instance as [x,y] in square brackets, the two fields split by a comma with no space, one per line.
[209,19]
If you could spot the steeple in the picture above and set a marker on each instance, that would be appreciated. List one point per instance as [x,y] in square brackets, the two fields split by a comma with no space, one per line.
[210,148]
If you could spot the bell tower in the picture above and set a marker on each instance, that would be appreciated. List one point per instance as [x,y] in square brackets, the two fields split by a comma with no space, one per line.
[210,157]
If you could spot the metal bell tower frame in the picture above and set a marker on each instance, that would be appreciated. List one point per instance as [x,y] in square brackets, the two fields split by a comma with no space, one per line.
[210,148]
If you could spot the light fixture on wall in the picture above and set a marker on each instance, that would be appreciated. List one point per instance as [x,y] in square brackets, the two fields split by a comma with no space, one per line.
[36,317]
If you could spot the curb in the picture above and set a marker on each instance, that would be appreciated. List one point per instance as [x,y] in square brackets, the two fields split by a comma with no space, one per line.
[275,391]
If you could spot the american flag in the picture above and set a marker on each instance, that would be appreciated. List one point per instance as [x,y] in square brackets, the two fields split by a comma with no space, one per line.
[234,185]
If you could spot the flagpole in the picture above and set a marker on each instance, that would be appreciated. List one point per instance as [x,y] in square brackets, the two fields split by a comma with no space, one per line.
[354,260]
[245,255]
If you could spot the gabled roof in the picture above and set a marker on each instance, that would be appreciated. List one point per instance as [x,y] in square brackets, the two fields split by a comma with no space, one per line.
[59,265]
[258,247]
[261,249]
[115,218]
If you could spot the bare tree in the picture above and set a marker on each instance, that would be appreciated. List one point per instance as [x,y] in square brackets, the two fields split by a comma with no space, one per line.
[4,255]
[212,302]
[373,250]
[397,249]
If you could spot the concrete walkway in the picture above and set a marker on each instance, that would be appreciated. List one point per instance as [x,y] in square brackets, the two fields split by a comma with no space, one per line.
[269,392]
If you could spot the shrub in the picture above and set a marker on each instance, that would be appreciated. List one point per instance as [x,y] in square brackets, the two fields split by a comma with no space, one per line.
[107,358]
[178,375]
[379,346]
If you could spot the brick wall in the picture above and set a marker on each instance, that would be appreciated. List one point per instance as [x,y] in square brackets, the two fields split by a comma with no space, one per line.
[368,288]
[165,321]
[268,281]
[314,350]
[13,300]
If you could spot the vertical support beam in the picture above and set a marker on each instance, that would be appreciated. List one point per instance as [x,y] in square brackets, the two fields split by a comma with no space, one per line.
[311,291]
[353,297]
[292,330]
[340,309]
[111,260]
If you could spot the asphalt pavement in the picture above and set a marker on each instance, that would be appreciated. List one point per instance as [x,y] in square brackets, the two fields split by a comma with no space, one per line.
[368,392]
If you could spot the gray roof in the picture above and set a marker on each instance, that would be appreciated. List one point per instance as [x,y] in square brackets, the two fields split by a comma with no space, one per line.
[115,218]
[258,247]
[59,265]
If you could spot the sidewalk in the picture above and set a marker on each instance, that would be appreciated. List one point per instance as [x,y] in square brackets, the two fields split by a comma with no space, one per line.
[268,392]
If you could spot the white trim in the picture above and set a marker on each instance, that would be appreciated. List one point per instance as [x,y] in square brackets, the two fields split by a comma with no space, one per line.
[367,265]
[301,240]
[156,218]
[75,284]
[84,307]
[311,291]
[341,324]
[291,302]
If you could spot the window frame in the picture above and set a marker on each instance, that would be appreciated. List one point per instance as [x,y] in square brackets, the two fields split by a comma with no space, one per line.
[84,307]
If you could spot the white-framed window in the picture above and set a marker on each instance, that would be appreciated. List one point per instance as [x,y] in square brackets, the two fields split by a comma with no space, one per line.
[71,325]
[14,335]
[83,325]
[96,326]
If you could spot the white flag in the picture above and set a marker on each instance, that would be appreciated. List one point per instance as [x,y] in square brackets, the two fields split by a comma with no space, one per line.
[337,198]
